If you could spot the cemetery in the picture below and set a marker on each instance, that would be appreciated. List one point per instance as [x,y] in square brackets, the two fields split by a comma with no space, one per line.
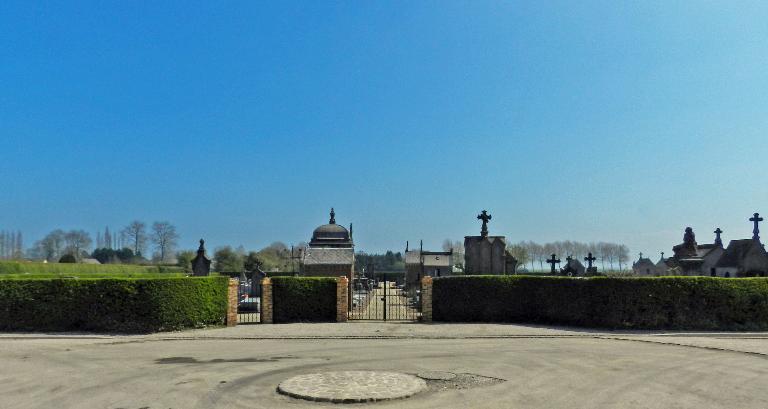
[114,298]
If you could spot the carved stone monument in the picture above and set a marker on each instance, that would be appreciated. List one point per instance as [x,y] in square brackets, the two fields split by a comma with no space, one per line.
[201,265]
[486,254]
[591,259]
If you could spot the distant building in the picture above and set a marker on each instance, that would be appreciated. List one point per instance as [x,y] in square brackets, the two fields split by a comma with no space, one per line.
[331,251]
[419,263]
[742,258]
[644,267]
[661,266]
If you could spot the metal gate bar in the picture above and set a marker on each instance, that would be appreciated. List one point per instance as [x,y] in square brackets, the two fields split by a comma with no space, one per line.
[381,297]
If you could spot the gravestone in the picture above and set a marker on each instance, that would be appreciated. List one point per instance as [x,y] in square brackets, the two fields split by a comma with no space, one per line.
[486,254]
[756,231]
[201,265]
[552,261]
[573,267]
[590,259]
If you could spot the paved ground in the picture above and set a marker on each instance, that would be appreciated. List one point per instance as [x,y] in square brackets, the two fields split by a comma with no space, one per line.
[241,367]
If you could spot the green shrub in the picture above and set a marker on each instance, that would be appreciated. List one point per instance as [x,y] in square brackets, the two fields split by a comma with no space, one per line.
[23,269]
[112,305]
[67,258]
[303,299]
[693,303]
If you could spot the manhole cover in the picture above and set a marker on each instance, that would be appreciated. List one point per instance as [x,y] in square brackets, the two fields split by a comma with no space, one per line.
[436,375]
[352,386]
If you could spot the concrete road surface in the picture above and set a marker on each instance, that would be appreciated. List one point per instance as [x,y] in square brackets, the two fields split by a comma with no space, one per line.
[241,367]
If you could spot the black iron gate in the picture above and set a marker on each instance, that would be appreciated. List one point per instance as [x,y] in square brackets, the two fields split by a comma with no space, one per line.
[249,298]
[383,296]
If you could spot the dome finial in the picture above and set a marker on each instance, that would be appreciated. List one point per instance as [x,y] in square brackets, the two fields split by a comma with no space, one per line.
[333,217]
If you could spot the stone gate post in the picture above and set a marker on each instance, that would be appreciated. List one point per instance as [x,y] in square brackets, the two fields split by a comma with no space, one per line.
[266,301]
[342,299]
[426,299]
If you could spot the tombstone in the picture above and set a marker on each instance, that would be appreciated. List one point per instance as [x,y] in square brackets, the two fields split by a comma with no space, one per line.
[590,259]
[756,231]
[718,239]
[486,254]
[201,265]
[552,261]
[572,267]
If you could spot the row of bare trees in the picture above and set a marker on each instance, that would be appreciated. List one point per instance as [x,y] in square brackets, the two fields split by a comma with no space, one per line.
[134,236]
[11,245]
[607,254]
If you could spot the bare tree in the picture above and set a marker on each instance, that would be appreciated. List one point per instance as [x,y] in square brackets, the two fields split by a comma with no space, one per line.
[135,234]
[76,242]
[165,238]
[622,254]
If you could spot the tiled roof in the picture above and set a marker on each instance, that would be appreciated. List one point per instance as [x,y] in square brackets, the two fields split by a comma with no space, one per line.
[334,256]
[736,252]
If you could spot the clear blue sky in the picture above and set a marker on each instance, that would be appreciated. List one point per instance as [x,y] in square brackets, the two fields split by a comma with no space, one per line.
[244,122]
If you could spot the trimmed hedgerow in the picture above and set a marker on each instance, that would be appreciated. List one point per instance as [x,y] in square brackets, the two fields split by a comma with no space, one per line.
[303,299]
[112,305]
[693,303]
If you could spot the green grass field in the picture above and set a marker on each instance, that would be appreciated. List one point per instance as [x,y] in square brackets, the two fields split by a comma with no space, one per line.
[28,270]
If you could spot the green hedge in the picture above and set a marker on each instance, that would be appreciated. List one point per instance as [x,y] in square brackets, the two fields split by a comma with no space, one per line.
[112,305]
[23,269]
[692,303]
[303,299]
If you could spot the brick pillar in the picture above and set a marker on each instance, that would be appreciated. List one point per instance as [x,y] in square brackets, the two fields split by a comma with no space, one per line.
[232,302]
[266,301]
[342,299]
[426,299]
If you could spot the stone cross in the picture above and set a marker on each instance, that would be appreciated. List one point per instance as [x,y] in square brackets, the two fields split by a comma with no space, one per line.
[641,255]
[756,232]
[718,241]
[662,255]
[589,259]
[485,217]
[554,260]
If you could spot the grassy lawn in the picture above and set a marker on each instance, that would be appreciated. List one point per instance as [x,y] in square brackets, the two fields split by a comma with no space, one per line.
[28,270]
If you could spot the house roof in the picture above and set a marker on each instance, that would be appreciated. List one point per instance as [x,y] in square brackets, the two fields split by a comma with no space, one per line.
[643,262]
[736,252]
[329,256]
[704,249]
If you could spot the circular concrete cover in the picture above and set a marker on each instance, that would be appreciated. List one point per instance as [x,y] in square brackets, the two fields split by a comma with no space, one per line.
[436,375]
[352,386]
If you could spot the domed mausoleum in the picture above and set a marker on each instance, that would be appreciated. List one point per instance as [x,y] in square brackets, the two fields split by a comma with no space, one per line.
[331,251]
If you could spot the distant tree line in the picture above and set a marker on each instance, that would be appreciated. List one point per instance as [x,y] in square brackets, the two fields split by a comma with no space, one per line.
[127,246]
[389,261]
[275,257]
[11,245]
[529,253]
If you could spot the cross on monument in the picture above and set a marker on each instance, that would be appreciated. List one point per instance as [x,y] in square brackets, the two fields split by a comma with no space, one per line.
[641,255]
[589,259]
[554,260]
[756,232]
[718,241]
[662,255]
[484,216]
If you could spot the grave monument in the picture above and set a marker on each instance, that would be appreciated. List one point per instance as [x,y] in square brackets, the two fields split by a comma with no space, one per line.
[201,265]
[486,254]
